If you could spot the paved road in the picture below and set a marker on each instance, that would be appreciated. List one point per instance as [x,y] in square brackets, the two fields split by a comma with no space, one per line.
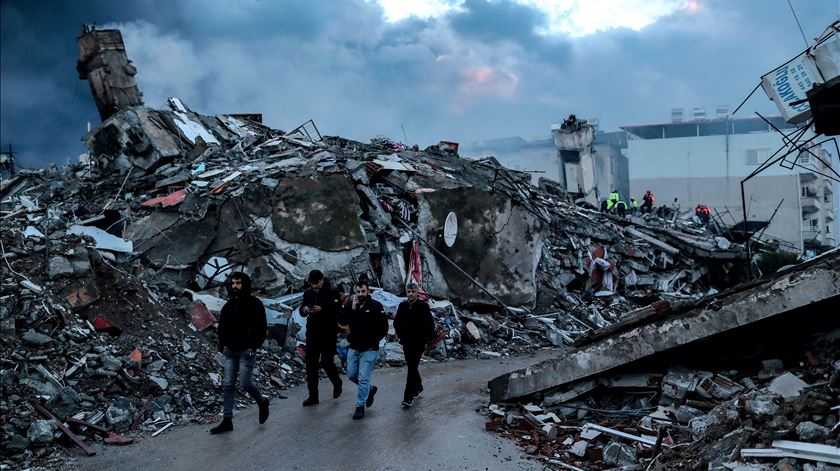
[441,432]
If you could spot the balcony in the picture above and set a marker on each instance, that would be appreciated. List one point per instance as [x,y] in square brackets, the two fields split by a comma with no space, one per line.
[810,203]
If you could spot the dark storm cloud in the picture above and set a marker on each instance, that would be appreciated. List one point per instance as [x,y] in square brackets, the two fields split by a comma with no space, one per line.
[480,72]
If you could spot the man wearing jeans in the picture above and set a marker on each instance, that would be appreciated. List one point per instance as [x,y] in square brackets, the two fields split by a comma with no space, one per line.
[367,324]
[242,328]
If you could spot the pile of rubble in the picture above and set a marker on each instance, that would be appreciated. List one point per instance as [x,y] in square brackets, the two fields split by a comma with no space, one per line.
[116,264]
[655,406]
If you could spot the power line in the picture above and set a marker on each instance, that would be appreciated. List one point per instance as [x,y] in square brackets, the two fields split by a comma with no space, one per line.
[797,24]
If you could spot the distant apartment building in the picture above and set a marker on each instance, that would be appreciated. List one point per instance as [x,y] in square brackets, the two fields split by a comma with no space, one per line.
[704,160]
[545,158]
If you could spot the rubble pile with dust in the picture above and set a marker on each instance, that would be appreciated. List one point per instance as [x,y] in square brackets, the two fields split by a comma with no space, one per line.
[137,238]
[114,266]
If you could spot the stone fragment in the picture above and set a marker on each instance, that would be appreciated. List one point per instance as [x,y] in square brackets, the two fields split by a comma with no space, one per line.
[37,339]
[41,432]
[16,444]
[787,385]
[58,267]
[64,404]
[120,414]
[110,362]
[762,405]
[686,413]
[619,454]
[810,431]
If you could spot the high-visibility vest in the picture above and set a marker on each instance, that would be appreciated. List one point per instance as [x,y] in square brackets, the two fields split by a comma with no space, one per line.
[614,196]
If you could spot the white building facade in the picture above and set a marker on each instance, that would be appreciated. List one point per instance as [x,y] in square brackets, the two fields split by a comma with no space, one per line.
[704,161]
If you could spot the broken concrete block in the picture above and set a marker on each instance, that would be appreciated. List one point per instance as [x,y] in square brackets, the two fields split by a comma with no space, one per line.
[120,414]
[58,267]
[41,432]
[762,405]
[619,454]
[31,337]
[810,431]
[64,404]
[579,448]
[394,354]
[787,385]
[686,413]
[110,362]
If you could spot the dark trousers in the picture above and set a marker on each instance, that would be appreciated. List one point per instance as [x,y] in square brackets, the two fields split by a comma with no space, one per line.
[319,354]
[413,383]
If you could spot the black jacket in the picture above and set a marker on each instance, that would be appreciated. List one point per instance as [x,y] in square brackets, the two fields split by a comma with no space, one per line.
[322,325]
[368,325]
[242,324]
[414,324]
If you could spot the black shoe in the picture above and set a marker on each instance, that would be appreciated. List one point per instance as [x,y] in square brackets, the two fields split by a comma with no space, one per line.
[372,393]
[337,391]
[225,426]
[310,402]
[264,410]
[407,404]
[360,413]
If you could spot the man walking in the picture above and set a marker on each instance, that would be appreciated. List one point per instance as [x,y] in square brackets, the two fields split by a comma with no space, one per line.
[366,321]
[321,306]
[242,328]
[415,327]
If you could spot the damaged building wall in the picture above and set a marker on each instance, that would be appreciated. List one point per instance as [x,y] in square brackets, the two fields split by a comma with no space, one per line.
[499,244]
[104,64]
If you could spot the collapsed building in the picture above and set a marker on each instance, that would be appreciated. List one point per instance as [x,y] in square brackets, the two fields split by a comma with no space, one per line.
[116,264]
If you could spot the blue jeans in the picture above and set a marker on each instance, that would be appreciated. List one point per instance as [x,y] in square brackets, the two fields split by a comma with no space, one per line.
[239,364]
[359,370]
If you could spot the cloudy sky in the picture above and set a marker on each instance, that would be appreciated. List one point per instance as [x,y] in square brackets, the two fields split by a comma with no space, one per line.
[459,70]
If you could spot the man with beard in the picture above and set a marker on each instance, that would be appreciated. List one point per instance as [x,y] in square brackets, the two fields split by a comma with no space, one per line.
[321,306]
[415,327]
[366,321]
[242,329]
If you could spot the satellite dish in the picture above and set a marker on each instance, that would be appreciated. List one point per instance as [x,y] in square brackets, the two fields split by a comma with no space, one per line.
[450,229]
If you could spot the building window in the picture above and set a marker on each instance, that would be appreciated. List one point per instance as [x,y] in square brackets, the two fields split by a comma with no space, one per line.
[805,158]
[757,156]
[815,223]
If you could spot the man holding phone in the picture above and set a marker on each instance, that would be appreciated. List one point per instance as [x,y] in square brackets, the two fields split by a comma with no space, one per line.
[368,325]
[321,306]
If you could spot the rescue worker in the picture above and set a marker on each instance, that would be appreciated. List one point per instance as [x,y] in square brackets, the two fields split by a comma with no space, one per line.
[614,197]
[647,202]
[321,306]
[703,213]
[621,208]
[634,205]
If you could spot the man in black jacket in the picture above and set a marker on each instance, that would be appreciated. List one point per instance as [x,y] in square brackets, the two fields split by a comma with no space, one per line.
[321,306]
[242,329]
[415,328]
[366,321]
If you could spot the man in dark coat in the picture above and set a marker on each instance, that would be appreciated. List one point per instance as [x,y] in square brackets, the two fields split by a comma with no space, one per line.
[368,325]
[242,329]
[415,328]
[321,306]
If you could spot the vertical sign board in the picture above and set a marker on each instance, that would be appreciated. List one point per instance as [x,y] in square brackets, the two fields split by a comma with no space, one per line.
[789,83]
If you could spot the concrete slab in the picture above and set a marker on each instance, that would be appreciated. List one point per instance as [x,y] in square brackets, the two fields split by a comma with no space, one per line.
[808,283]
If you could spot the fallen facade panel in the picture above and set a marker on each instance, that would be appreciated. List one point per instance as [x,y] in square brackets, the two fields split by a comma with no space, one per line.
[814,282]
